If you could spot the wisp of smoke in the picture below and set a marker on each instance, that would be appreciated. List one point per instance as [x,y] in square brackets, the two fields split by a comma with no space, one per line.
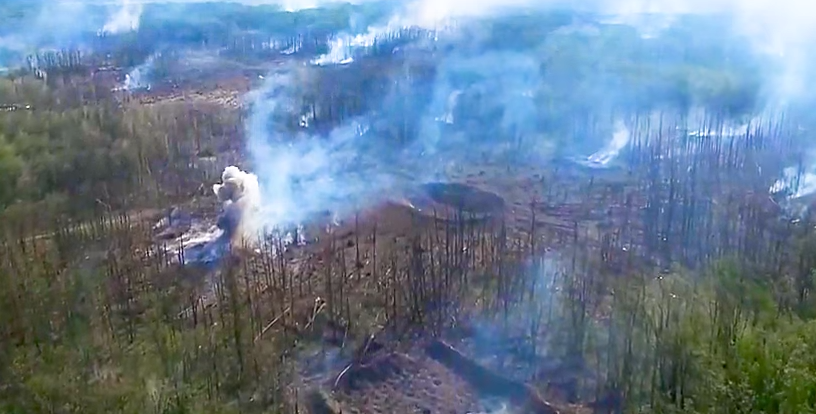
[139,77]
[342,48]
[508,78]
[620,139]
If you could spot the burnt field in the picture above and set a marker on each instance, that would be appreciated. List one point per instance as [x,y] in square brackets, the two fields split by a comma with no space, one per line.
[505,263]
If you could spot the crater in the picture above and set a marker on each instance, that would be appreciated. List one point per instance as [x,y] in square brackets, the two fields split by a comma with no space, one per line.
[448,200]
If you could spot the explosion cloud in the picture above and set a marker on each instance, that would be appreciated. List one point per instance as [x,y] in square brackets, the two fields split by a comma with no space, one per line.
[240,196]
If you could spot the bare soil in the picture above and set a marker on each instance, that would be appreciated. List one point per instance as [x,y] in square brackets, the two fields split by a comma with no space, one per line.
[402,383]
[433,378]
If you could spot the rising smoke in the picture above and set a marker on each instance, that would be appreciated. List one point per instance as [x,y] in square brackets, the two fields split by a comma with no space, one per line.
[125,19]
[239,194]
[620,139]
[303,175]
[197,242]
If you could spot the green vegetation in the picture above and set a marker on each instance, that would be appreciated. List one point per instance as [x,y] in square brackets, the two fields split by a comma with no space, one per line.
[79,151]
[118,332]
[725,342]
[83,337]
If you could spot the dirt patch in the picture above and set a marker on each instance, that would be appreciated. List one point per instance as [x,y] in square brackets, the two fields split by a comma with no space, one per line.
[465,197]
[454,201]
[402,383]
[487,382]
[434,378]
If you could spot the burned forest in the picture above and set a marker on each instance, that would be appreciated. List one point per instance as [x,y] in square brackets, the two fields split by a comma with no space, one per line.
[407,207]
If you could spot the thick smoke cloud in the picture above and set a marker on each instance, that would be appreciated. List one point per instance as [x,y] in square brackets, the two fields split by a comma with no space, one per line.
[239,194]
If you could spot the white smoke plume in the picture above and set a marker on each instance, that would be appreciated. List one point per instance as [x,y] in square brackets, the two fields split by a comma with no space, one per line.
[139,77]
[620,139]
[125,19]
[795,183]
[240,195]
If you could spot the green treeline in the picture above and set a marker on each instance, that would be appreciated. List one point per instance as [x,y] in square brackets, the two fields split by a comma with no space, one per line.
[82,155]
[725,341]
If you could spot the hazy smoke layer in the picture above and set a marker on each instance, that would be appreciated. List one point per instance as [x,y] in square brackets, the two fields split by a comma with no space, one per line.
[303,176]
[784,28]
[60,24]
[299,177]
